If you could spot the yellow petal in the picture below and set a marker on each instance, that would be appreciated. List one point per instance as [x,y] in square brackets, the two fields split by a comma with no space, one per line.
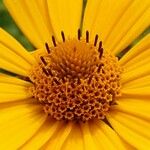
[132,137]
[110,136]
[13,80]
[74,140]
[42,135]
[18,124]
[17,109]
[138,61]
[138,125]
[12,68]
[135,51]
[8,55]
[126,30]
[10,97]
[141,24]
[11,92]
[57,141]
[96,13]
[13,57]
[9,42]
[89,142]
[127,145]
[65,16]
[140,82]
[113,138]
[42,6]
[136,107]
[16,103]
[116,30]
[142,92]
[100,138]
[12,88]
[91,11]
[136,73]
[28,17]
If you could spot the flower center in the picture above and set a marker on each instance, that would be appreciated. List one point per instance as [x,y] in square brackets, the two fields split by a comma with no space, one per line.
[76,80]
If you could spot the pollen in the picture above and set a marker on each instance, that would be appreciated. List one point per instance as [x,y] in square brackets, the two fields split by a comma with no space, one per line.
[76,79]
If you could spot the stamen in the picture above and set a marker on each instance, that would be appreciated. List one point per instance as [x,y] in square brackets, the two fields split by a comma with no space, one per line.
[45,71]
[79,81]
[50,72]
[63,36]
[96,39]
[43,60]
[87,36]
[101,53]
[100,44]
[56,81]
[79,34]
[63,79]
[99,68]
[90,79]
[54,41]
[47,48]
[100,49]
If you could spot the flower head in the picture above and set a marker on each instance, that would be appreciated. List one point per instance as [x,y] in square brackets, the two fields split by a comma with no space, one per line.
[83,87]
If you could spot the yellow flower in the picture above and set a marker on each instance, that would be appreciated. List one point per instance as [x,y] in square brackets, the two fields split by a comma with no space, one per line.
[73,92]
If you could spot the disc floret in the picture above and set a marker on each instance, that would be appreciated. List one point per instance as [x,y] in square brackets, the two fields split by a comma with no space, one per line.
[76,80]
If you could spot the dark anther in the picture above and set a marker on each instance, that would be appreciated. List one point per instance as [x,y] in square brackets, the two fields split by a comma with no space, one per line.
[79,34]
[100,46]
[54,42]
[63,79]
[50,72]
[100,49]
[56,81]
[101,53]
[96,39]
[99,68]
[47,48]
[87,36]
[45,71]
[90,79]
[79,81]
[43,60]
[63,36]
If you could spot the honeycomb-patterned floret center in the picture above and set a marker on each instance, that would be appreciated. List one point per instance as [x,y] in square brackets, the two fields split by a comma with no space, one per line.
[74,83]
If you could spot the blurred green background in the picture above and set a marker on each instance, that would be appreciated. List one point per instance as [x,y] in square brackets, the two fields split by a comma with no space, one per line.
[7,23]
